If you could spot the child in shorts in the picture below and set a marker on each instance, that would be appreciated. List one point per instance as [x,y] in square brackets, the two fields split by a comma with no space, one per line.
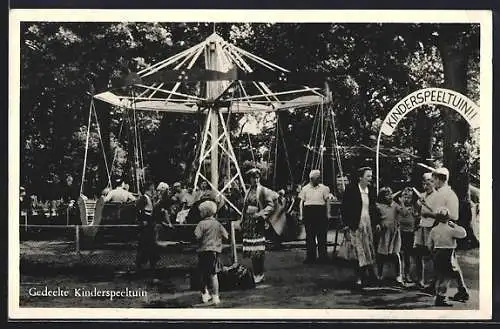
[443,241]
[209,232]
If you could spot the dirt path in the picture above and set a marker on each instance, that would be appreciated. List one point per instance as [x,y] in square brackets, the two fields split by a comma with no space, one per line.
[288,283]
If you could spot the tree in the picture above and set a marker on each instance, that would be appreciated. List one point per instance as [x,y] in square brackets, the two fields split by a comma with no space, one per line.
[370,68]
[456,44]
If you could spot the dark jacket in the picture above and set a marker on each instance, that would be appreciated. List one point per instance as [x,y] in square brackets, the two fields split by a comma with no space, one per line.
[144,214]
[351,207]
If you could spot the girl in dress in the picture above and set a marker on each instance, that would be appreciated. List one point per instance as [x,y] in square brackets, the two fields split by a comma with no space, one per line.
[389,243]
[407,215]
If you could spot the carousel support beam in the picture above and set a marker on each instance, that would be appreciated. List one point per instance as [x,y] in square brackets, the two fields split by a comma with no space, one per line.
[214,162]
[232,154]
[272,94]
[221,195]
[160,65]
[234,59]
[257,58]
[202,150]
[170,92]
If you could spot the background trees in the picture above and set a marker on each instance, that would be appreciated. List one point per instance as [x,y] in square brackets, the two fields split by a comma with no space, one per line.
[371,67]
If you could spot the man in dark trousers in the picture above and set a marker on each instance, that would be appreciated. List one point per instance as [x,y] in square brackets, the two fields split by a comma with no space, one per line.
[147,248]
[446,198]
[313,199]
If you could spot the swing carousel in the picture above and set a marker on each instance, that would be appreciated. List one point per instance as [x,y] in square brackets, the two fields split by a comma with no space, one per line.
[219,79]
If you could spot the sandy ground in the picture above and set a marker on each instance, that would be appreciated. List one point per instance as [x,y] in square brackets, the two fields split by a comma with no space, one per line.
[288,283]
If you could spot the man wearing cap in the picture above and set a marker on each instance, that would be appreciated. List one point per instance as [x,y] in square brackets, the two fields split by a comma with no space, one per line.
[446,197]
[119,193]
[313,200]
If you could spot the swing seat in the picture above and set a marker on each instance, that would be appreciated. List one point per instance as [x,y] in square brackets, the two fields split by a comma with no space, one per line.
[87,210]
[116,213]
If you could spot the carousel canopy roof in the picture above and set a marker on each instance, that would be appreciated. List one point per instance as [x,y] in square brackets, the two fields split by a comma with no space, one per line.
[215,73]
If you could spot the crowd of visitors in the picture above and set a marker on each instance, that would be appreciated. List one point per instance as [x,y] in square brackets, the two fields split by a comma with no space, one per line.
[378,228]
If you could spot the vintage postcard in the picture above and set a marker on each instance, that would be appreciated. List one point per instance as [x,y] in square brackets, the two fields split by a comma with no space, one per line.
[250,164]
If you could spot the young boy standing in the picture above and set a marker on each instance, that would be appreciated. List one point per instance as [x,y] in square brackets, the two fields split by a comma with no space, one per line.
[209,232]
[443,241]
[147,248]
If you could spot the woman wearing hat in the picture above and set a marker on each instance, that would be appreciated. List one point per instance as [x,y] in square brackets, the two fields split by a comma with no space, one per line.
[258,206]
[360,214]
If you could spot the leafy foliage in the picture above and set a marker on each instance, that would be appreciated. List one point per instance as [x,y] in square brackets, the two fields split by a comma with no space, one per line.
[371,67]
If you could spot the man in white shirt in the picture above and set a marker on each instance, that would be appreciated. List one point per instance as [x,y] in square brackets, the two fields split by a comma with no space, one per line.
[119,194]
[445,197]
[313,201]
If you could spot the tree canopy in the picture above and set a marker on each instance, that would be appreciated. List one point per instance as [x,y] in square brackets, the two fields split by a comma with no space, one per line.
[371,66]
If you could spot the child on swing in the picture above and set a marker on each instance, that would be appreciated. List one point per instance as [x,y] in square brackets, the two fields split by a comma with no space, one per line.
[209,232]
[389,243]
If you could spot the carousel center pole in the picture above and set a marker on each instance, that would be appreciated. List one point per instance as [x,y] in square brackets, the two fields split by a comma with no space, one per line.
[214,89]
[212,93]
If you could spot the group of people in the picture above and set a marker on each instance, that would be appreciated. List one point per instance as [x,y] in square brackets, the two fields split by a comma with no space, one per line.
[157,206]
[411,224]
[378,227]
[61,198]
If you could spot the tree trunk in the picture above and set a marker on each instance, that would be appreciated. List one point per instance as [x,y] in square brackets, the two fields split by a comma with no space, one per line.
[456,129]
[454,53]
[423,134]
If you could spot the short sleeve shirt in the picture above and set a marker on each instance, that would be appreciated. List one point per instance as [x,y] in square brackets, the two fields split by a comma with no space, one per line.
[120,195]
[314,195]
[446,197]
[210,233]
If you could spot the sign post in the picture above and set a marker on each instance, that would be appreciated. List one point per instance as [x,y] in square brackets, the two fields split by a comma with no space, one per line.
[436,96]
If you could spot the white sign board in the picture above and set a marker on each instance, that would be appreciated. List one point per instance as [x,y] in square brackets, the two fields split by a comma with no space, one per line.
[436,96]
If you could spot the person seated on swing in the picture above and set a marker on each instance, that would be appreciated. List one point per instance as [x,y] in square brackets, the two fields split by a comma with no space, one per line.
[162,204]
[178,193]
[179,208]
[105,192]
[187,199]
[205,193]
[119,194]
